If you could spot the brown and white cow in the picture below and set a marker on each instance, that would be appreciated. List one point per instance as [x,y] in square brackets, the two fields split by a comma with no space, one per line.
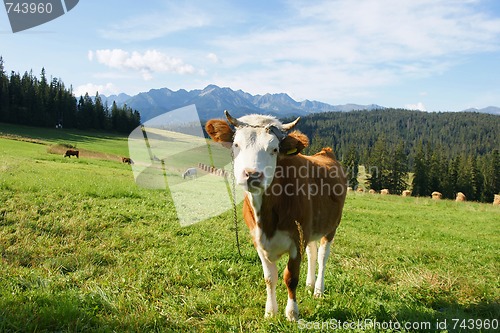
[291,200]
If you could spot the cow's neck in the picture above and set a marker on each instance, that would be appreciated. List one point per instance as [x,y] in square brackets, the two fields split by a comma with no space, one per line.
[256,205]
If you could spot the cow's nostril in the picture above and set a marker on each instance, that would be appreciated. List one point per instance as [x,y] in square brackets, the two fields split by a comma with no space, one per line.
[252,174]
[253,177]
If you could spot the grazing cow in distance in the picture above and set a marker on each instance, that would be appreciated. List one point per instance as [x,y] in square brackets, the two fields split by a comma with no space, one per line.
[71,152]
[384,191]
[291,200]
[406,193]
[360,190]
[191,173]
[372,191]
[127,160]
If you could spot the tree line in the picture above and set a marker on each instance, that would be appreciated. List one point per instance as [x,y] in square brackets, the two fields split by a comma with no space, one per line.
[33,101]
[477,176]
[448,152]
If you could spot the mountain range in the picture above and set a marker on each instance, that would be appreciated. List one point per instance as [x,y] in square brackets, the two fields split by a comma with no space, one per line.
[490,109]
[212,100]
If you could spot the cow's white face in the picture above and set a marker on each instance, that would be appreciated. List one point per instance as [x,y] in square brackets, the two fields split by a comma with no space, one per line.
[255,152]
[256,143]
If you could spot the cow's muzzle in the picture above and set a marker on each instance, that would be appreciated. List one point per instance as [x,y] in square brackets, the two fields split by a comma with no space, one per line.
[253,178]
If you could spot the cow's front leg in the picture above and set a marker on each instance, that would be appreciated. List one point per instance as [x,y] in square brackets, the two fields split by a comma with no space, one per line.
[291,277]
[323,253]
[271,279]
[312,256]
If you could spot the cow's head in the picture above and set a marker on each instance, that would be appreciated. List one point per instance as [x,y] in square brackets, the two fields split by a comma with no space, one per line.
[257,142]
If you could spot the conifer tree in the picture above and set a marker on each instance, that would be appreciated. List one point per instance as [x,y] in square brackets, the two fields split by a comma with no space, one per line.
[436,170]
[351,165]
[398,170]
[379,165]
[99,117]
[420,183]
[450,178]
[495,157]
[4,93]
[15,97]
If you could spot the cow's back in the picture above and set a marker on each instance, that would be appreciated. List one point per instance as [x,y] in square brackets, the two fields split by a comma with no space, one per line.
[331,185]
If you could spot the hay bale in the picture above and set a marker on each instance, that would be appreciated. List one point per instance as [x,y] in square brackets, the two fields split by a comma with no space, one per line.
[437,195]
[384,191]
[496,201]
[406,193]
[372,191]
[349,189]
[360,190]
[460,197]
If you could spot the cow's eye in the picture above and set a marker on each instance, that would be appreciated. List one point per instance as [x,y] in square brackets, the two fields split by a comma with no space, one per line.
[275,150]
[236,145]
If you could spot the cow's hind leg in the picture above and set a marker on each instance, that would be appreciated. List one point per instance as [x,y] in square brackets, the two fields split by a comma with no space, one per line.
[291,278]
[271,279]
[312,256]
[323,253]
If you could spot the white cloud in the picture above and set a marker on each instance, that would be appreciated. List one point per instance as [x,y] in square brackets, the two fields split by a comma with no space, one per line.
[213,58]
[344,47]
[146,63]
[90,88]
[419,106]
[392,28]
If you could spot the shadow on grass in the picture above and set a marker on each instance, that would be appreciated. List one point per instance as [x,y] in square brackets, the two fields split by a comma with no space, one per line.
[68,312]
[440,316]
[54,135]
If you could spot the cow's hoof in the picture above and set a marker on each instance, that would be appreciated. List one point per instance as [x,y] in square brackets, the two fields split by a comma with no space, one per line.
[292,311]
[269,314]
[318,293]
[271,309]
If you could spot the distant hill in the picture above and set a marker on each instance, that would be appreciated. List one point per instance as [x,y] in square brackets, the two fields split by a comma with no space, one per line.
[212,100]
[490,110]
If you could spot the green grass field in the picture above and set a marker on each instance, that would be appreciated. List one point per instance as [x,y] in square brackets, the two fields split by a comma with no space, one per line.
[84,249]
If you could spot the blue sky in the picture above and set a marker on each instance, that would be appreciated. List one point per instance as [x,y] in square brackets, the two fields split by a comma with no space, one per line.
[434,55]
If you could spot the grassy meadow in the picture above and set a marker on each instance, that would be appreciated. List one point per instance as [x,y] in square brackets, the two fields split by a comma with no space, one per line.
[84,249]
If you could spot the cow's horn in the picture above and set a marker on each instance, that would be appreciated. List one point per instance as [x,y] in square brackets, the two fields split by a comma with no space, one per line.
[235,122]
[289,126]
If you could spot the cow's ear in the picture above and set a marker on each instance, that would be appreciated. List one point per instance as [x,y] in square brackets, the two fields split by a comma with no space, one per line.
[220,131]
[294,143]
